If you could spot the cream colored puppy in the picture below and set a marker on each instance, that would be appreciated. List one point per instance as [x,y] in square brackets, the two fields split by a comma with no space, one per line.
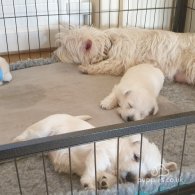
[113,51]
[82,157]
[7,77]
[136,94]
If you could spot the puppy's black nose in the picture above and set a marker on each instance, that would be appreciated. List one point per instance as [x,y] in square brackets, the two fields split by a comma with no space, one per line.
[130,177]
[130,118]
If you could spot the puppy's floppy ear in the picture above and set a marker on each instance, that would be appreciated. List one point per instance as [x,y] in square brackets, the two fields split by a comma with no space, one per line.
[136,138]
[126,92]
[87,45]
[151,111]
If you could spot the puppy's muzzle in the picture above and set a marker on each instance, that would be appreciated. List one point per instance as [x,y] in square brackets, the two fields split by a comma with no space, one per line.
[130,118]
[130,177]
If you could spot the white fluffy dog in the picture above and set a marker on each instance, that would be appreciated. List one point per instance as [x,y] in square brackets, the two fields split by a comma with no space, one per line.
[115,50]
[82,157]
[7,77]
[136,94]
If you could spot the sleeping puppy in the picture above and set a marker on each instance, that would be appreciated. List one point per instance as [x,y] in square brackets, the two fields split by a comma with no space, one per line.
[82,156]
[113,51]
[136,94]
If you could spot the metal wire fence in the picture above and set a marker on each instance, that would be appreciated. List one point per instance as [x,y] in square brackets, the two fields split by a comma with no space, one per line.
[28,27]
[14,152]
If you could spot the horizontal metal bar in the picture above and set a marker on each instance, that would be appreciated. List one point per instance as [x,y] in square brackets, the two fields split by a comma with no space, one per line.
[180,16]
[19,149]
[87,13]
[188,7]
[183,190]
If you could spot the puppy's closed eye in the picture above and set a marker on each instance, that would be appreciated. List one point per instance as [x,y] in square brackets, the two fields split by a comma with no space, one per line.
[151,111]
[136,158]
[130,106]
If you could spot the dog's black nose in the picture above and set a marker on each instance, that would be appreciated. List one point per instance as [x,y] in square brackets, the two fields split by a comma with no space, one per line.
[130,177]
[130,118]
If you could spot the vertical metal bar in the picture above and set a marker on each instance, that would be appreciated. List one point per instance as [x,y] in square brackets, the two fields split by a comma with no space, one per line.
[58,16]
[16,31]
[162,156]
[44,168]
[5,31]
[69,13]
[70,166]
[38,33]
[173,14]
[146,13]
[127,22]
[181,163]
[140,161]
[164,14]
[137,13]
[117,173]
[17,173]
[29,53]
[119,12]
[49,28]
[190,27]
[154,13]
[79,13]
[109,13]
[180,16]
[89,13]
[99,13]
[95,165]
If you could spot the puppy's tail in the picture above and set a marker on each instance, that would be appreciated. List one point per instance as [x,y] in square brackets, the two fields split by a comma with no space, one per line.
[84,117]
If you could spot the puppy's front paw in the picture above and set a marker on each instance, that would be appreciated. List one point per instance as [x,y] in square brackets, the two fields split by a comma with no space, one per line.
[106,104]
[83,69]
[18,139]
[87,183]
[106,181]
[102,183]
[7,77]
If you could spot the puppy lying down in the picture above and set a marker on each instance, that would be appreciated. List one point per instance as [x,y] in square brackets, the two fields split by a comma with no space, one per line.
[113,51]
[82,157]
[136,94]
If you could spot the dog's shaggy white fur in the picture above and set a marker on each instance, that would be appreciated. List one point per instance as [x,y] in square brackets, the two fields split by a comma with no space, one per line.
[136,94]
[115,50]
[82,157]
[7,77]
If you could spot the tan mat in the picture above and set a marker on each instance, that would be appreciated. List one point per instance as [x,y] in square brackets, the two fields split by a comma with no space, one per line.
[40,91]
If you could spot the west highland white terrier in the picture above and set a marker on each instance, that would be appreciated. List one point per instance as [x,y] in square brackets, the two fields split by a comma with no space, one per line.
[82,157]
[114,51]
[136,94]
